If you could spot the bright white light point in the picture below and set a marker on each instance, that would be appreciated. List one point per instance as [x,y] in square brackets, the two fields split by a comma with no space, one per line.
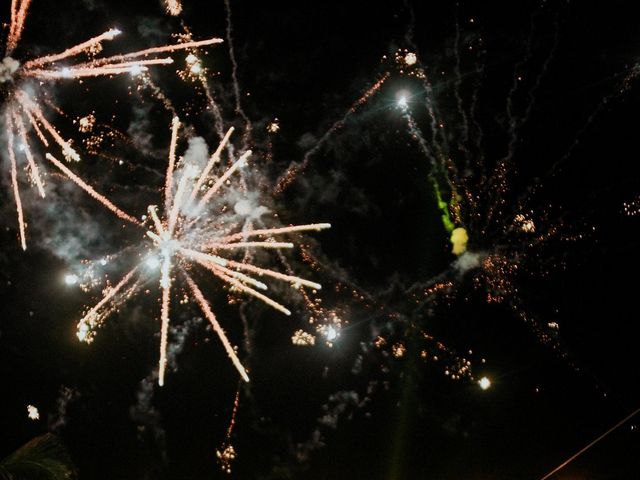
[70,279]
[402,101]
[196,68]
[153,263]
[136,70]
[83,333]
[191,59]
[331,334]
[410,58]
[103,262]
[66,72]
[33,412]
[484,383]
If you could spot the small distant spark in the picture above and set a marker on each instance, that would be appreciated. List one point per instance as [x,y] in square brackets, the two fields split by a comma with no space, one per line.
[33,412]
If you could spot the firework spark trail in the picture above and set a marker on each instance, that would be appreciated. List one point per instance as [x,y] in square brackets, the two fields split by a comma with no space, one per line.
[87,188]
[624,86]
[273,231]
[591,444]
[168,186]
[493,185]
[33,167]
[497,182]
[479,154]
[213,160]
[458,96]
[187,236]
[80,72]
[16,190]
[122,58]
[234,76]
[438,173]
[241,162]
[158,94]
[196,71]
[208,313]
[72,51]
[143,413]
[16,80]
[436,133]
[217,114]
[226,453]
[296,168]
[92,318]
[18,16]
[36,117]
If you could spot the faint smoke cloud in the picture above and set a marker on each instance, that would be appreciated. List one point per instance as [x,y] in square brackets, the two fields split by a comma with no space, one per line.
[140,128]
[58,419]
[144,413]
[467,261]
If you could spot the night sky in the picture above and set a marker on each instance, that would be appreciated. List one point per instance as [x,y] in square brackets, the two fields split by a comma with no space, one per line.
[549,315]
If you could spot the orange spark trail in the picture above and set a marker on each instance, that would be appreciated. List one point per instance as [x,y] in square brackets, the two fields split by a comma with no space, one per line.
[296,168]
[275,231]
[206,309]
[164,331]
[32,108]
[91,319]
[22,132]
[18,16]
[87,188]
[215,158]
[168,193]
[223,178]
[149,51]
[76,72]
[14,183]
[72,51]
[295,281]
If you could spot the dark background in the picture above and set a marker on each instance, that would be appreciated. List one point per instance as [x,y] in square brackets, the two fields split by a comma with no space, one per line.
[305,64]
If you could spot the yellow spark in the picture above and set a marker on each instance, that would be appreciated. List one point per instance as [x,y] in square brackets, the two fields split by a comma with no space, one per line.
[459,239]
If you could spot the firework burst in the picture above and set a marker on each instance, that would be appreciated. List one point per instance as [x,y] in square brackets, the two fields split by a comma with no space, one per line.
[497,235]
[23,82]
[198,229]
